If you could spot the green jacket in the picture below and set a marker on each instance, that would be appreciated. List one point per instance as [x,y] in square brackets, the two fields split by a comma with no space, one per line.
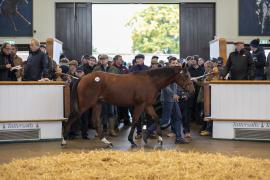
[109,69]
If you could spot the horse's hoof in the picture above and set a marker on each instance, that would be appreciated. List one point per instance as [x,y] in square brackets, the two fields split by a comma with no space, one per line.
[145,136]
[160,140]
[110,145]
[64,142]
[134,145]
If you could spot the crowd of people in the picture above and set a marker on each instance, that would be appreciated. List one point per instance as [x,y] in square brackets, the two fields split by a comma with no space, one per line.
[175,107]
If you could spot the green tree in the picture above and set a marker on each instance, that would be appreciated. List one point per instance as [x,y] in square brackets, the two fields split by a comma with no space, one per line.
[156,29]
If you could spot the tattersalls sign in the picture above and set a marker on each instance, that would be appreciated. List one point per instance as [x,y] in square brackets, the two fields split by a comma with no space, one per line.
[261,125]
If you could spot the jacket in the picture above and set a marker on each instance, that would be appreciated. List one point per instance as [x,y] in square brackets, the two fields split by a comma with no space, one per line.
[5,74]
[168,92]
[240,65]
[17,61]
[36,66]
[122,69]
[259,60]
[138,68]
[109,69]
[267,69]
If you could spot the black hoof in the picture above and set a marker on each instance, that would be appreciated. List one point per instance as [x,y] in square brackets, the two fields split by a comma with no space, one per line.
[145,136]
[110,145]
[134,145]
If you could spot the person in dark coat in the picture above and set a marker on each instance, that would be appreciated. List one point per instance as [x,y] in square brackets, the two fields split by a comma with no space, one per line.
[6,63]
[88,64]
[195,108]
[259,58]
[51,63]
[139,66]
[123,115]
[240,64]
[267,69]
[36,66]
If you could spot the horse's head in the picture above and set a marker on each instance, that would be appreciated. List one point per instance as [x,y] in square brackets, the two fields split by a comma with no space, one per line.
[182,78]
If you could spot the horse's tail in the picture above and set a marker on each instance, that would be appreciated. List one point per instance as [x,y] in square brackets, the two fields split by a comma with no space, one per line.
[74,100]
[75,112]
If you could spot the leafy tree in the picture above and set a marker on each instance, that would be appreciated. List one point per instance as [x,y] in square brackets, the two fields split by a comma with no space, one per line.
[156,29]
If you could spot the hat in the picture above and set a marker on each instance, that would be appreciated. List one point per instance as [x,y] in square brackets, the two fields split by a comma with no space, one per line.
[64,61]
[239,42]
[139,56]
[42,46]
[73,62]
[103,56]
[154,61]
[255,43]
[220,60]
[215,60]
[79,69]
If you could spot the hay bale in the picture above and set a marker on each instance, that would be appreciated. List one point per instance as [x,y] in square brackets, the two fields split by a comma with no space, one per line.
[136,165]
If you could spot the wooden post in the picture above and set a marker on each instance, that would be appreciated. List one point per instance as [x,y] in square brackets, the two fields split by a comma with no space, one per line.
[207,99]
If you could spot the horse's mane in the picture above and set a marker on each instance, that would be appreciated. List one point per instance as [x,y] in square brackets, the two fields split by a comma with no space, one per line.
[164,71]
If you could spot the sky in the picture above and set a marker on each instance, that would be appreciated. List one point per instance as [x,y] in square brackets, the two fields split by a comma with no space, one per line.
[109,32]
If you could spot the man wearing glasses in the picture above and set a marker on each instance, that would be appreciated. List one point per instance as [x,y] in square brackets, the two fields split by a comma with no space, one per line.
[5,62]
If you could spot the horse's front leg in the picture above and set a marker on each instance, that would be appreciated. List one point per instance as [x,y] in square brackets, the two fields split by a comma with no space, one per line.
[96,112]
[135,119]
[152,113]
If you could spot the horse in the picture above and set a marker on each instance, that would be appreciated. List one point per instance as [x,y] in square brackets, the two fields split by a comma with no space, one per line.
[138,90]
[9,9]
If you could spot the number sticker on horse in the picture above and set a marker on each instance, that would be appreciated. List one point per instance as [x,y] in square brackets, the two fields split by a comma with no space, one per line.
[97,79]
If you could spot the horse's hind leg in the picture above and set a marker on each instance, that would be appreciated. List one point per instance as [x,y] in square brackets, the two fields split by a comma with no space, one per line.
[73,117]
[96,111]
[135,119]
[152,113]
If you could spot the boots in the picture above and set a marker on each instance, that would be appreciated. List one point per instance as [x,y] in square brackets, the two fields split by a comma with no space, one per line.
[111,127]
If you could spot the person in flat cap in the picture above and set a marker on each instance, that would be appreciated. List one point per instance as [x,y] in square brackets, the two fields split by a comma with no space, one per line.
[154,64]
[240,65]
[259,58]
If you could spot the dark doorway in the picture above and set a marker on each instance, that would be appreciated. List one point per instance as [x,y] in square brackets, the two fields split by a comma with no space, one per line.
[197,29]
[73,27]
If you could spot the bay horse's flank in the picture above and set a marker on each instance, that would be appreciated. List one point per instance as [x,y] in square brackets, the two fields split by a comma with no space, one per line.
[137,90]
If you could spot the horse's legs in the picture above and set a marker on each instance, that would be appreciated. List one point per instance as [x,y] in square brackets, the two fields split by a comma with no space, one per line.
[96,111]
[136,115]
[152,113]
[21,16]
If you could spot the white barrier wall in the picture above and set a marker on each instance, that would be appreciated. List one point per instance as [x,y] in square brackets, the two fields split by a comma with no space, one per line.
[240,101]
[240,110]
[31,110]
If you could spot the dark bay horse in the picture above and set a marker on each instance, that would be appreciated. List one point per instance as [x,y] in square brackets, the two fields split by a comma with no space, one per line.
[138,90]
[9,8]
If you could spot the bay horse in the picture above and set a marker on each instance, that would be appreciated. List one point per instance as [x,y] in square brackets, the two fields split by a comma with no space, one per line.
[138,90]
[9,8]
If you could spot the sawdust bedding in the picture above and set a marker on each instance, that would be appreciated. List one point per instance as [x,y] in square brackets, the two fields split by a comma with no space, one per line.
[164,165]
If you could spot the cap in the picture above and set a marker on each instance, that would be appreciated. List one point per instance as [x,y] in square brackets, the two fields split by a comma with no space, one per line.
[73,62]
